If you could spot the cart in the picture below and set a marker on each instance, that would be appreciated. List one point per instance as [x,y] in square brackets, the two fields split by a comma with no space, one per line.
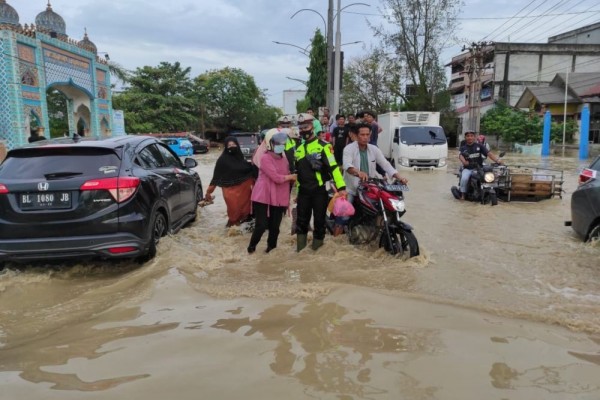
[527,183]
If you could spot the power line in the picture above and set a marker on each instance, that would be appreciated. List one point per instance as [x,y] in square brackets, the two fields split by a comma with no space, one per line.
[519,12]
[482,18]
[518,21]
[531,24]
[566,29]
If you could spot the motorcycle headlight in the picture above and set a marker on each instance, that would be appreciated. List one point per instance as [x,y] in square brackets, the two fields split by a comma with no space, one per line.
[442,162]
[404,162]
[398,205]
[489,177]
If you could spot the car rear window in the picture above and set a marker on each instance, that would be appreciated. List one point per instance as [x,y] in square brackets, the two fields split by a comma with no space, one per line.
[596,165]
[246,139]
[40,163]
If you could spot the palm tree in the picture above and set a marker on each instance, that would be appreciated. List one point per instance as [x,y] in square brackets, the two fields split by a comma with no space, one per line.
[119,72]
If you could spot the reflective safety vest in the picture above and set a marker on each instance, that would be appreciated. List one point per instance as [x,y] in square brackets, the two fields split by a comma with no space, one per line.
[315,164]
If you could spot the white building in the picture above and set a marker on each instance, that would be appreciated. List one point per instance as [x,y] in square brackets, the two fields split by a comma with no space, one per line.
[290,98]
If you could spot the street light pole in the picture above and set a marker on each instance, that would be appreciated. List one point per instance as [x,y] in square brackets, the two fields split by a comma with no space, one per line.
[330,75]
[336,75]
[300,49]
[338,61]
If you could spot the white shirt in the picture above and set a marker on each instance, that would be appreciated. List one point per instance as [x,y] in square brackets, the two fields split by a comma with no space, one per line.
[351,158]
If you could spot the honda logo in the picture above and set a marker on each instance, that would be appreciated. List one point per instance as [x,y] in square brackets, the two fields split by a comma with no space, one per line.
[43,186]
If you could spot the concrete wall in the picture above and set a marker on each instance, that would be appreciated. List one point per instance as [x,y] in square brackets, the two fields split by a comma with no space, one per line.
[535,63]
[587,35]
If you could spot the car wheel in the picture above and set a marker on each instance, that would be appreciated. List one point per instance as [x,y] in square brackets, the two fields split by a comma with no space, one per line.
[158,229]
[594,233]
[199,198]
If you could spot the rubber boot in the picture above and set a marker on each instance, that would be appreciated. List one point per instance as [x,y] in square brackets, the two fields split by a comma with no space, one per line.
[316,243]
[301,240]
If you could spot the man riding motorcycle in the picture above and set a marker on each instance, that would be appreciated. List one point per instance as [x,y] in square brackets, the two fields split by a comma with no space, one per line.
[471,155]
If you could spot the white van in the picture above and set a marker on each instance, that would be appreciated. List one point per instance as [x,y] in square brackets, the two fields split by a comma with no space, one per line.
[413,140]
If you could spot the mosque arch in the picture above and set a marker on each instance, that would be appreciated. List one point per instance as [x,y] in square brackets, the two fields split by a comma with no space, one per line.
[105,127]
[84,119]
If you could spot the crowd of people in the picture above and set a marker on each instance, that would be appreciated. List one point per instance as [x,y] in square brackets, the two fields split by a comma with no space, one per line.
[300,159]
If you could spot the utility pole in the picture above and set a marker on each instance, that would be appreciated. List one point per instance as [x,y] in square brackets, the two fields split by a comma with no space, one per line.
[337,64]
[330,56]
[477,50]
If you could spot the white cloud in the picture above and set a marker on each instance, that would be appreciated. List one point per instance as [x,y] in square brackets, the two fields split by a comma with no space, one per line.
[209,34]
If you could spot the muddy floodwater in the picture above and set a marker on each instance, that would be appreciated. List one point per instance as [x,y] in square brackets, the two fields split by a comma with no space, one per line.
[503,303]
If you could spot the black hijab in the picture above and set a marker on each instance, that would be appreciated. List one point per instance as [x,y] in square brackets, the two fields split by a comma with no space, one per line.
[231,169]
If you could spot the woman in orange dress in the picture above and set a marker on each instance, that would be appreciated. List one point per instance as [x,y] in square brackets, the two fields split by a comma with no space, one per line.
[235,176]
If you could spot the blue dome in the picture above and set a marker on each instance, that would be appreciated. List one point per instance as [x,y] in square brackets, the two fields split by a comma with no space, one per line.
[51,21]
[8,15]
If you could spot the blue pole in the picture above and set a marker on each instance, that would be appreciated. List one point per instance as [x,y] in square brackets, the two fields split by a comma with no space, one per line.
[584,135]
[546,137]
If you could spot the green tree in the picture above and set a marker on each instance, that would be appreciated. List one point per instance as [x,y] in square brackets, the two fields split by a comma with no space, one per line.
[371,82]
[421,29]
[118,72]
[229,99]
[515,126]
[57,113]
[316,87]
[158,99]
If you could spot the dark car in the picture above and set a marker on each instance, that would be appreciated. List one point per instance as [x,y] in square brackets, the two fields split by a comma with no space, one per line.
[199,146]
[108,198]
[248,141]
[585,203]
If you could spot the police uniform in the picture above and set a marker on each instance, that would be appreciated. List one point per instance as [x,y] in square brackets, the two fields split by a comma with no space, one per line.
[315,164]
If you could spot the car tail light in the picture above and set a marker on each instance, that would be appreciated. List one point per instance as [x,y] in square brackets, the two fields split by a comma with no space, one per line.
[120,189]
[121,250]
[586,175]
[3,189]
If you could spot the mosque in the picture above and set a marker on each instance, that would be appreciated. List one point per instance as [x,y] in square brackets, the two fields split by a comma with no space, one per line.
[37,57]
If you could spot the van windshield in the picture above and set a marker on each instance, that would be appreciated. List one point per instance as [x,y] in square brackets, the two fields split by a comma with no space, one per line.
[422,135]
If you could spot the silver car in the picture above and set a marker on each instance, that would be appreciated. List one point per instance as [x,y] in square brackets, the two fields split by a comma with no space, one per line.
[585,203]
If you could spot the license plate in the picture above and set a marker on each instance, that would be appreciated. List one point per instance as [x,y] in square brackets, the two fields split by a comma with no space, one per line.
[396,188]
[45,201]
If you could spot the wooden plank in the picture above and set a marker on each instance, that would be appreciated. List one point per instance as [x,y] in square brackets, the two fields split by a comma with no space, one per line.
[535,193]
[532,186]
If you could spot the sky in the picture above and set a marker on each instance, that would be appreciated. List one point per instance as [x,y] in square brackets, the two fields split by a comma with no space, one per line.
[210,34]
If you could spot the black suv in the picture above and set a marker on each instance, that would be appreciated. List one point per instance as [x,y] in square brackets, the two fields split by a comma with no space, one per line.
[108,198]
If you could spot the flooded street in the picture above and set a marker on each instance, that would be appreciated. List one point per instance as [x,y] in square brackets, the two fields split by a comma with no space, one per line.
[502,303]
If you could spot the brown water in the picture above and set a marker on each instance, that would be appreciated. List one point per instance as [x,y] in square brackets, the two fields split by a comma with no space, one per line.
[503,303]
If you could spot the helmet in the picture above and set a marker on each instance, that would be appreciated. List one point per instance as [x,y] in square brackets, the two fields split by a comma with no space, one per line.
[303,119]
[293,132]
[275,136]
[284,120]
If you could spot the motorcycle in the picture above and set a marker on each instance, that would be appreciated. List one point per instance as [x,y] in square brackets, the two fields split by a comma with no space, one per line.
[379,207]
[485,182]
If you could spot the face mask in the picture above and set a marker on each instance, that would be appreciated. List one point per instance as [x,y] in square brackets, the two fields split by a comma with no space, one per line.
[278,148]
[306,134]
[231,150]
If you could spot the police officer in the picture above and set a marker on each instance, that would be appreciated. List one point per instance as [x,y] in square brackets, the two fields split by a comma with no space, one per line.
[315,164]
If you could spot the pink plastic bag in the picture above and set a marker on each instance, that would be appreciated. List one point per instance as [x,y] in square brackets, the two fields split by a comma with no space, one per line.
[343,208]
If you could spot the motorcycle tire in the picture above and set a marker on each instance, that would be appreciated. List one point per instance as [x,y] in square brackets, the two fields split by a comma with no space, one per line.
[493,199]
[455,192]
[403,244]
